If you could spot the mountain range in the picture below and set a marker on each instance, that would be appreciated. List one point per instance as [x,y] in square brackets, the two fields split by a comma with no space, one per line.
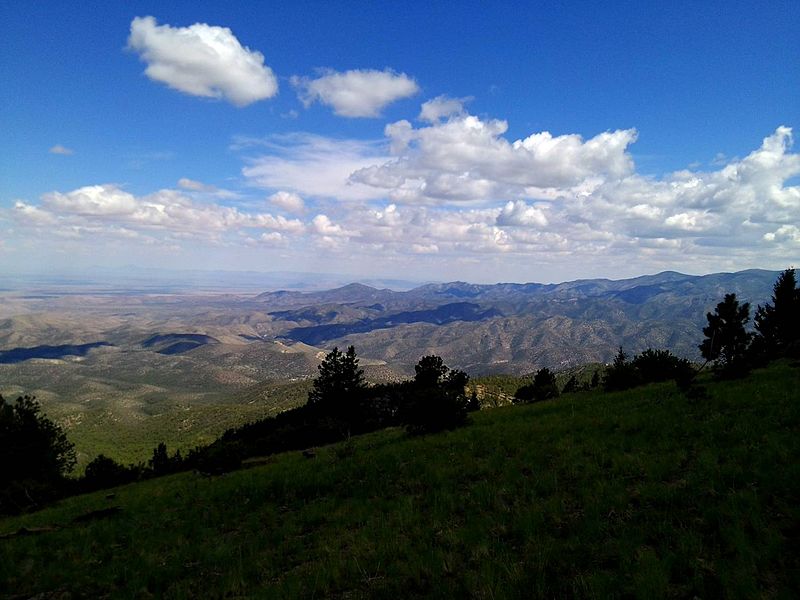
[513,327]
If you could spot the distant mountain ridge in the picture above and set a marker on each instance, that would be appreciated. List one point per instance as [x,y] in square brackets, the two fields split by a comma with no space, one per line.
[358,292]
[508,326]
[143,347]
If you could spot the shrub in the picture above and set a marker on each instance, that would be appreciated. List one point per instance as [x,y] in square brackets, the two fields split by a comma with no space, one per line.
[571,386]
[219,457]
[660,365]
[595,382]
[105,472]
[474,404]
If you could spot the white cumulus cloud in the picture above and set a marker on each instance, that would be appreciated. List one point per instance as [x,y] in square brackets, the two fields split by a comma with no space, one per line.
[324,226]
[94,200]
[462,186]
[202,60]
[194,185]
[356,93]
[288,201]
[33,215]
[469,159]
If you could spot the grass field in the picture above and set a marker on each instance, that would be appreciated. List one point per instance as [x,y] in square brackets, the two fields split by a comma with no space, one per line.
[638,494]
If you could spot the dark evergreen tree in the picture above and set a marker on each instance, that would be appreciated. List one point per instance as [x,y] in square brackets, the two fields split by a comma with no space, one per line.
[32,446]
[339,387]
[524,394]
[160,463]
[430,370]
[621,375]
[541,388]
[778,324]
[36,455]
[544,385]
[220,457]
[727,340]
[437,400]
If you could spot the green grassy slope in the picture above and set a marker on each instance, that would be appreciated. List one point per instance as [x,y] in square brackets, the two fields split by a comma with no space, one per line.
[637,494]
[129,434]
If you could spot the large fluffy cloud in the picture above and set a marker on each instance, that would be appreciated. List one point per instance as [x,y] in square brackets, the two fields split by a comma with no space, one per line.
[356,93]
[202,60]
[288,201]
[459,187]
[469,159]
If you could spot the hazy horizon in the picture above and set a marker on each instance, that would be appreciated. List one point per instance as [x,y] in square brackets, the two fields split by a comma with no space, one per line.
[119,277]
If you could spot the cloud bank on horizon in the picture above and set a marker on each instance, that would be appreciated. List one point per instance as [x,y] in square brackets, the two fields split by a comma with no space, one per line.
[444,191]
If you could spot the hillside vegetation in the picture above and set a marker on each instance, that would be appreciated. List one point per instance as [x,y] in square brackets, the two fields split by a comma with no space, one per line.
[642,493]
[129,436]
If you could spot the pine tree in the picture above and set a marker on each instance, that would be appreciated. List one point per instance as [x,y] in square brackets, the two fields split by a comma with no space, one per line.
[430,370]
[621,375]
[36,455]
[544,385]
[32,446]
[340,384]
[726,339]
[437,398]
[778,324]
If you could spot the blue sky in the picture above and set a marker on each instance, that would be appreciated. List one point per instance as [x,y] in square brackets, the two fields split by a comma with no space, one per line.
[480,141]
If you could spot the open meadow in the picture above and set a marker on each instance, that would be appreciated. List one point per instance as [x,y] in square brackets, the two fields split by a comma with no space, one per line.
[641,493]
